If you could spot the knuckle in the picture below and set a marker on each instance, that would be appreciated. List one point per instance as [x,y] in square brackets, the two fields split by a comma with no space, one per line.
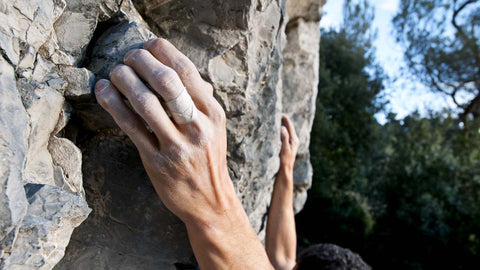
[217,113]
[176,153]
[202,138]
[144,102]
[208,88]
[137,54]
[184,67]
[203,135]
[157,45]
[141,53]
[129,127]
[221,115]
[119,72]
[165,78]
[159,161]
[294,144]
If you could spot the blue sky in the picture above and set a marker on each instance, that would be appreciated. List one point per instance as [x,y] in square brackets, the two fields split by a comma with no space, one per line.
[404,96]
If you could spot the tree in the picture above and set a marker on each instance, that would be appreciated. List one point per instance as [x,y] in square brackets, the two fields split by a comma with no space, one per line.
[431,192]
[344,129]
[442,48]
[350,82]
[404,195]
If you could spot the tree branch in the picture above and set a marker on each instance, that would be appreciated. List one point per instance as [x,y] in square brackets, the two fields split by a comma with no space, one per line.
[436,79]
[454,98]
[473,107]
[459,29]
[473,44]
[455,14]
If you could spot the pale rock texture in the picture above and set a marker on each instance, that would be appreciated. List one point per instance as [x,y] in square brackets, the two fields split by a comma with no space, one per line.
[46,228]
[13,147]
[80,82]
[35,227]
[64,157]
[300,81]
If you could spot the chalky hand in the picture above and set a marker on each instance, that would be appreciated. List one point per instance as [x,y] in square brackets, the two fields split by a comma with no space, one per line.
[184,156]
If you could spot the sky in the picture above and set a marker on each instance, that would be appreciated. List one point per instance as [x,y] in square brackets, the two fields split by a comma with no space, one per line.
[404,96]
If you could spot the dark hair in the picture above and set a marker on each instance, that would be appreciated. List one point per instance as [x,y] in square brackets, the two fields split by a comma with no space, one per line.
[330,257]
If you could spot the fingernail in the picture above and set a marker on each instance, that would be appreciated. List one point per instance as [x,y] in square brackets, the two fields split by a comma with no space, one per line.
[102,85]
[148,43]
[128,55]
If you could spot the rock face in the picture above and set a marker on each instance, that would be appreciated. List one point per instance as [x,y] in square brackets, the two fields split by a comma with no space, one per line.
[63,156]
[41,194]
[300,81]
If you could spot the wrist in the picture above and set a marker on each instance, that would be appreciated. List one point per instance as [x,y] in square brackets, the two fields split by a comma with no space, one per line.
[227,214]
[286,171]
[220,238]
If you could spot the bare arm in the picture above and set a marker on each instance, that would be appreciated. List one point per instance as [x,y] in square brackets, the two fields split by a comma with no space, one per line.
[281,239]
[184,158]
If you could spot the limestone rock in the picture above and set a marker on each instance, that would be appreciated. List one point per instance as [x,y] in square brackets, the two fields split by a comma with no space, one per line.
[13,147]
[309,10]
[107,52]
[45,231]
[10,48]
[300,82]
[80,82]
[75,42]
[58,147]
[114,43]
[39,168]
[67,159]
[31,105]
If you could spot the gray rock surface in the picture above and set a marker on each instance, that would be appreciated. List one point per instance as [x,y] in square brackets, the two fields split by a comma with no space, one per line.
[46,228]
[129,227]
[300,82]
[35,227]
[60,150]
[13,147]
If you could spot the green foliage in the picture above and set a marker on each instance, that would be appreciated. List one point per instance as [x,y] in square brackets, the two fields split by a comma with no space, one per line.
[344,128]
[442,47]
[405,195]
[357,20]
[344,119]
[431,193]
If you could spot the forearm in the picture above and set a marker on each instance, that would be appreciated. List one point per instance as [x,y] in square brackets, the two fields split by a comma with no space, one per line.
[227,241]
[281,240]
[185,154]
